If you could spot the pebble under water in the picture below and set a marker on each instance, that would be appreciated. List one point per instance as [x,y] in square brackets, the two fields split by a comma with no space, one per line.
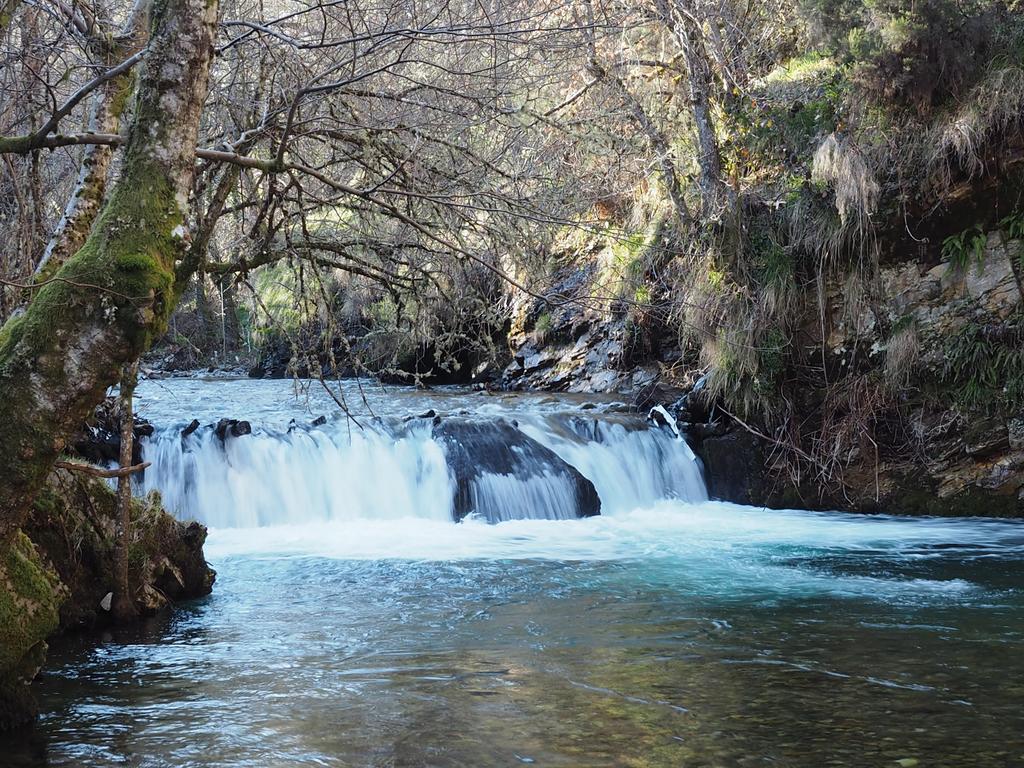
[675,633]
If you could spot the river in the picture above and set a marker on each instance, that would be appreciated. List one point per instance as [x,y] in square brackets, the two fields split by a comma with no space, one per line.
[353,623]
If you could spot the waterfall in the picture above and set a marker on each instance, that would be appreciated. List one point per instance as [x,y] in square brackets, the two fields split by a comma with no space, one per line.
[539,466]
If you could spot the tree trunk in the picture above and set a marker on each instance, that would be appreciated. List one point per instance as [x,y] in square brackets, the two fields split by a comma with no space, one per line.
[660,144]
[678,17]
[105,117]
[108,303]
[123,608]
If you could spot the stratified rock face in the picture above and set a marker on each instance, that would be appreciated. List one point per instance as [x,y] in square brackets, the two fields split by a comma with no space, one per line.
[502,474]
[577,346]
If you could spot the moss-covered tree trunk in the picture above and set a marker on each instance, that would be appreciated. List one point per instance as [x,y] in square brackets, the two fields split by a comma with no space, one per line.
[105,118]
[105,306]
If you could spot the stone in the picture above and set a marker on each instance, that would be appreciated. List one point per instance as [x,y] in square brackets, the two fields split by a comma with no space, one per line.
[1015,433]
[497,448]
[226,428]
[733,466]
[107,600]
[986,437]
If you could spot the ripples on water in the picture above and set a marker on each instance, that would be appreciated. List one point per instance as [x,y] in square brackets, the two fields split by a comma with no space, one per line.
[705,635]
[675,634]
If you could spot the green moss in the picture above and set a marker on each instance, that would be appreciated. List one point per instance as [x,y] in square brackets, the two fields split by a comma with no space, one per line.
[544,324]
[30,596]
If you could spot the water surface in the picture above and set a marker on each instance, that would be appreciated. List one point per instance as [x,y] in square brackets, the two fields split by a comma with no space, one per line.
[676,632]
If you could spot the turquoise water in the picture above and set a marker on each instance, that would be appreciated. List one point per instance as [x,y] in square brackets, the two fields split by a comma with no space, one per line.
[353,624]
[681,635]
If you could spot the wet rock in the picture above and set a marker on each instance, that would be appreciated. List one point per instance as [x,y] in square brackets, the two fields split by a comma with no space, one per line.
[226,428]
[319,421]
[477,449]
[733,467]
[99,440]
[192,427]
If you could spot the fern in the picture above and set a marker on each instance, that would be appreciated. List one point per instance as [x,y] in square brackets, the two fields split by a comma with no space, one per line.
[962,249]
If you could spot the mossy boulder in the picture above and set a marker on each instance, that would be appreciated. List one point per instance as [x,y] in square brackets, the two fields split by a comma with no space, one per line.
[30,596]
[73,523]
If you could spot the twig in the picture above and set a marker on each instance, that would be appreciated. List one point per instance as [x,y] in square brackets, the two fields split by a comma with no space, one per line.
[774,440]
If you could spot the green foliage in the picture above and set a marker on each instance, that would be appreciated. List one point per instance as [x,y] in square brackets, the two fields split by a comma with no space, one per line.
[965,248]
[772,361]
[983,367]
[1013,226]
[773,262]
[908,53]
[383,314]
[543,325]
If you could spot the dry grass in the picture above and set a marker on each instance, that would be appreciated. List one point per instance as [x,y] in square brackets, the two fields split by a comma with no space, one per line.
[992,108]
[901,355]
[840,164]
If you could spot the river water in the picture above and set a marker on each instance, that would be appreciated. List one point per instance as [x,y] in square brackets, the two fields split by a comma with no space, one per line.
[354,624]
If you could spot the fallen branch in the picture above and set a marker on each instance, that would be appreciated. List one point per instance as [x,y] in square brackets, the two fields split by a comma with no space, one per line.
[92,469]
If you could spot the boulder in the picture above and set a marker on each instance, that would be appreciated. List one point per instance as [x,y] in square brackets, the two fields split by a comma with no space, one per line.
[477,449]
[232,428]
[734,465]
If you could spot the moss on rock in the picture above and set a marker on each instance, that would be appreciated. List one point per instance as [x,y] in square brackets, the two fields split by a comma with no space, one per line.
[30,596]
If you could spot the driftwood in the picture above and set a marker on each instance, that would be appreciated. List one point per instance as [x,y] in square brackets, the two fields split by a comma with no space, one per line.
[92,469]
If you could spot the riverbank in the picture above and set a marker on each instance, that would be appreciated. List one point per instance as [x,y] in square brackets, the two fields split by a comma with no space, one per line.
[59,577]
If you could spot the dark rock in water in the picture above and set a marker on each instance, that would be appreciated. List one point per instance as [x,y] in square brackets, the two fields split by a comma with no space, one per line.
[99,440]
[694,405]
[476,449]
[734,467]
[319,421]
[653,393]
[657,416]
[232,428]
[192,427]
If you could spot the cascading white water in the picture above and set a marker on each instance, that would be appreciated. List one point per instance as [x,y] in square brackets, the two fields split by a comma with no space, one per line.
[270,478]
[393,469]
[631,466]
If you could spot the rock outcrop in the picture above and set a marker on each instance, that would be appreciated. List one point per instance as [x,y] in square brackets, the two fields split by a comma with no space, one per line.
[478,450]
[944,349]
[59,572]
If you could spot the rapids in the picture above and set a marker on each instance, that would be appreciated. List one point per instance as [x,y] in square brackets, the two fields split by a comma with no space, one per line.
[355,624]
